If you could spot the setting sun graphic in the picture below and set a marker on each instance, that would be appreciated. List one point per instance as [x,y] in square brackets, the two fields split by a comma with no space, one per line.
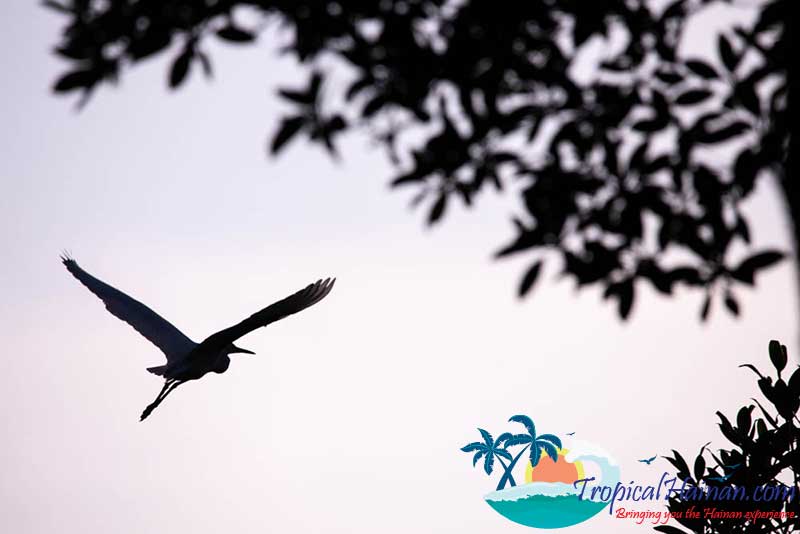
[549,471]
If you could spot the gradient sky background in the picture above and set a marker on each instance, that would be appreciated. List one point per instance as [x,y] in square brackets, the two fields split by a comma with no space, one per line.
[350,417]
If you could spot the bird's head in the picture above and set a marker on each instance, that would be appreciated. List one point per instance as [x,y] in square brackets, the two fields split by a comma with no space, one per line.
[233,349]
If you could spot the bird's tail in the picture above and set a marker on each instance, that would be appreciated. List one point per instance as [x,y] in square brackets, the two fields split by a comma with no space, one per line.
[158,370]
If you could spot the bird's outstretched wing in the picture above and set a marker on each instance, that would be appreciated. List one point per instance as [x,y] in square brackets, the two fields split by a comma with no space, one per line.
[301,300]
[172,342]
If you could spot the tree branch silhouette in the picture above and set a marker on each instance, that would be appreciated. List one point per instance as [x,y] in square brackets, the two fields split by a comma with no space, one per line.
[763,453]
[633,170]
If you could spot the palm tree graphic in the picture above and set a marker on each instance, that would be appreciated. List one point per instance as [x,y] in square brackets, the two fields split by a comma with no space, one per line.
[490,449]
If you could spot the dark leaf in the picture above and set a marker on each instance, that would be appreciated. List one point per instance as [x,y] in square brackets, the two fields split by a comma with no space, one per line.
[530,278]
[418,198]
[660,279]
[679,463]
[723,134]
[794,384]
[752,368]
[315,83]
[729,58]
[731,303]
[465,191]
[326,134]
[79,79]
[375,104]
[658,164]
[660,105]
[57,7]
[407,178]
[727,429]
[526,240]
[289,128]
[769,417]
[668,529]
[235,35]
[205,62]
[706,308]
[154,41]
[180,67]
[297,97]
[746,94]
[777,354]
[773,14]
[502,157]
[744,419]
[692,97]
[438,209]
[702,69]
[675,9]
[699,467]
[746,170]
[688,275]
[73,52]
[357,86]
[626,297]
[668,77]
[742,229]
[761,427]
[650,125]
[743,275]
[534,128]
[638,156]
[336,123]
[759,261]
[615,66]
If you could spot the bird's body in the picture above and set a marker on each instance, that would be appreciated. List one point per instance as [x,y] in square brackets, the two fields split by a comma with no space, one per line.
[648,461]
[186,359]
[195,365]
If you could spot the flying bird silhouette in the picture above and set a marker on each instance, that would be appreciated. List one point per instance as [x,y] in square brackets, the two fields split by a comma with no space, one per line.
[648,461]
[570,433]
[187,360]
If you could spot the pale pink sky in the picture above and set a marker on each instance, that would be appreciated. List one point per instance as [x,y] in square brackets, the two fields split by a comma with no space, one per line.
[350,417]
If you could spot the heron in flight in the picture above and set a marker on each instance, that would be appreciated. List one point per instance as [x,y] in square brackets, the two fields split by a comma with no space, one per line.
[187,360]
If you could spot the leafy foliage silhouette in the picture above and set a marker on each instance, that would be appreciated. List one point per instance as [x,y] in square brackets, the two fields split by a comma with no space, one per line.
[636,172]
[765,452]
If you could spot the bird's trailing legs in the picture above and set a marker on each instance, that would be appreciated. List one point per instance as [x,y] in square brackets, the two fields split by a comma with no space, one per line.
[169,386]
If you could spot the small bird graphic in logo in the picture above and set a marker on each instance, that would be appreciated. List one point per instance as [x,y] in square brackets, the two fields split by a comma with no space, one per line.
[731,468]
[720,479]
[648,461]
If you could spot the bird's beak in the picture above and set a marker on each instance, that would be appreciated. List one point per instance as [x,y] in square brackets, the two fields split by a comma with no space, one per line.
[241,350]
